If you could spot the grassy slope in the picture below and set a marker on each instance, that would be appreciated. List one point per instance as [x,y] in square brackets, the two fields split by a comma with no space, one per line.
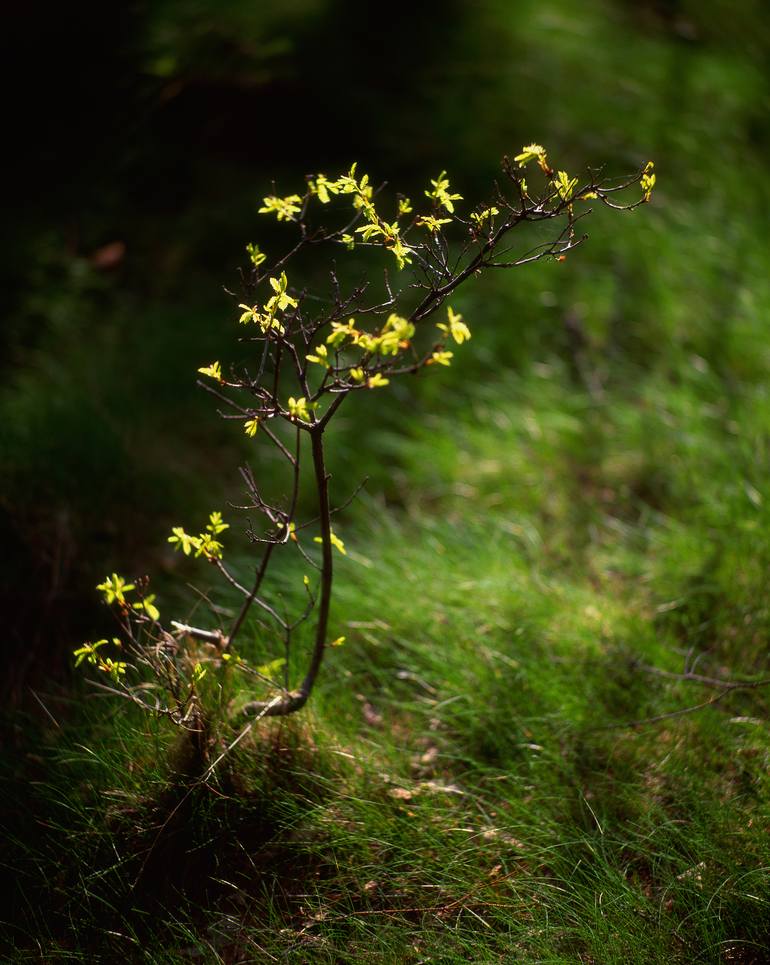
[455,792]
[458,789]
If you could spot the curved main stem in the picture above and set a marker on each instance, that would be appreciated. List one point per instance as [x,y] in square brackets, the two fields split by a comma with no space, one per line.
[297,699]
[327,566]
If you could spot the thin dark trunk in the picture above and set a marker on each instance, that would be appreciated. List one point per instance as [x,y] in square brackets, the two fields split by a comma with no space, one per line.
[297,699]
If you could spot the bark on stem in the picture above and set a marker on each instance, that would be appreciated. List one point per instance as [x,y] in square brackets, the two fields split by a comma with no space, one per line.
[298,698]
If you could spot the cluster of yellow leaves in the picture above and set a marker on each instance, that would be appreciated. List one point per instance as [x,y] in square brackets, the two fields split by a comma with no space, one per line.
[431,223]
[323,187]
[256,256]
[377,381]
[387,234]
[440,195]
[455,326]
[321,356]
[205,543]
[376,229]
[394,336]
[457,329]
[564,185]
[488,213]
[214,371]
[359,187]
[147,604]
[647,180]
[114,590]
[340,333]
[441,358]
[90,653]
[267,317]
[534,152]
[283,208]
[115,668]
[299,408]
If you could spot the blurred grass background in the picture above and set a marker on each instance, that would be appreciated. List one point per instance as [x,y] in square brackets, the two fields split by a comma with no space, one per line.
[586,489]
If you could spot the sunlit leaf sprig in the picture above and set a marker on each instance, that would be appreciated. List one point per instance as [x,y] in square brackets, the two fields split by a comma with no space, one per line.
[90,652]
[390,309]
[205,543]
